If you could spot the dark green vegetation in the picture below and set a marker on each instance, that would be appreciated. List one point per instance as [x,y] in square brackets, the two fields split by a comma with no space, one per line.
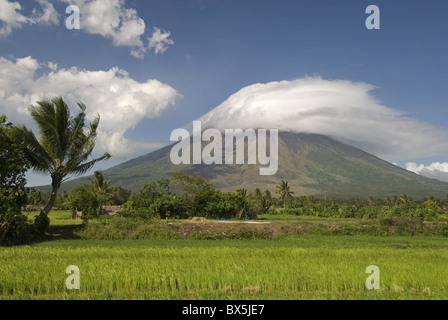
[182,207]
[312,164]
[12,186]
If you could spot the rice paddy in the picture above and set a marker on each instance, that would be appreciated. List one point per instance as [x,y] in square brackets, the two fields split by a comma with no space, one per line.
[307,267]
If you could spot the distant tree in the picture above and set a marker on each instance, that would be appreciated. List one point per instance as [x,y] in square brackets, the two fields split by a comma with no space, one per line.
[85,199]
[257,194]
[196,188]
[155,200]
[285,193]
[395,200]
[221,205]
[63,148]
[101,187]
[119,195]
[268,196]
[34,197]
[388,202]
[258,203]
[61,202]
[242,201]
[405,199]
[99,182]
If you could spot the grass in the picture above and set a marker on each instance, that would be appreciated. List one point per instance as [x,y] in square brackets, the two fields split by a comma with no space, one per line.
[311,267]
[308,266]
[57,218]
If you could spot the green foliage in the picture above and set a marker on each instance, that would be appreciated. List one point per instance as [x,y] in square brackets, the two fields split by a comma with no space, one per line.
[221,205]
[34,197]
[12,186]
[402,225]
[41,224]
[99,182]
[156,200]
[118,196]
[87,200]
[429,210]
[63,147]
[285,193]
[197,189]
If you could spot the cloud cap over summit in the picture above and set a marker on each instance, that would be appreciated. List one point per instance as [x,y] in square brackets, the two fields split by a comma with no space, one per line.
[342,109]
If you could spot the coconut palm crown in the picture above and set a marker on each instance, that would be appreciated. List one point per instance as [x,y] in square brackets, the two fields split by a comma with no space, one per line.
[64,147]
[284,191]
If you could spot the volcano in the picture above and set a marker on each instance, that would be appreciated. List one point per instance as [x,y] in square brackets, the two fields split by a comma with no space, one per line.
[313,164]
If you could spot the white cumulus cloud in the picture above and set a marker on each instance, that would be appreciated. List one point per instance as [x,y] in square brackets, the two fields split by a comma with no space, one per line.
[121,101]
[113,20]
[110,19]
[160,41]
[436,170]
[48,15]
[11,17]
[341,109]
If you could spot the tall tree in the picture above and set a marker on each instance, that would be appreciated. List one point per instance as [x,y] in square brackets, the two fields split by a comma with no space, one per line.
[101,188]
[12,183]
[284,191]
[63,147]
[98,182]
[241,200]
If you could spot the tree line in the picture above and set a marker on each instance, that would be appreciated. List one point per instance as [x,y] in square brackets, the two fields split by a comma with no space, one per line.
[185,196]
[64,147]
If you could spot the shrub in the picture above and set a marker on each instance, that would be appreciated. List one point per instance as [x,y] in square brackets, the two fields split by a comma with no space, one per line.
[87,201]
[41,224]
[402,225]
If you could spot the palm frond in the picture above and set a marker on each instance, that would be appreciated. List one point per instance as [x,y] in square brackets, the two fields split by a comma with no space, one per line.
[82,168]
[34,152]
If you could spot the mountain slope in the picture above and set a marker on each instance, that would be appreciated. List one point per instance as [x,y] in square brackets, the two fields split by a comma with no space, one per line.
[312,164]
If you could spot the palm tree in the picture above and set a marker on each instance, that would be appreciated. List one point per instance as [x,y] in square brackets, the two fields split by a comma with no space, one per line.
[241,194]
[98,181]
[284,191]
[101,188]
[63,147]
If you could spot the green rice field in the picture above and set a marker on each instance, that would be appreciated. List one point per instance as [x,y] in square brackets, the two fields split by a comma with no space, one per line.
[307,267]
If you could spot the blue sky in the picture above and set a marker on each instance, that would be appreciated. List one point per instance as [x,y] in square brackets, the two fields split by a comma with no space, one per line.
[203,52]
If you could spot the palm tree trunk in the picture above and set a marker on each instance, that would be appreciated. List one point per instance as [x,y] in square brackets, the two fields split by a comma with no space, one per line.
[54,192]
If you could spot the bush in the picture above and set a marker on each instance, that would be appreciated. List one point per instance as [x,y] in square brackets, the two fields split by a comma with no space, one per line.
[20,231]
[442,229]
[41,224]
[292,211]
[142,213]
[84,199]
[402,225]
